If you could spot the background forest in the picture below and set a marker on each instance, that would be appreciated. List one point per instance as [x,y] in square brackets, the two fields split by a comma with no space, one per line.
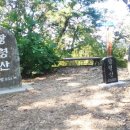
[49,30]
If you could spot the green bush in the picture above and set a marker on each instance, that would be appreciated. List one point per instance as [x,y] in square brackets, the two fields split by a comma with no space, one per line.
[121,63]
[36,56]
[118,53]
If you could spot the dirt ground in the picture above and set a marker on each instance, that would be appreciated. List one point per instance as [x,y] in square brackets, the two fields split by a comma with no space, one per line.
[68,100]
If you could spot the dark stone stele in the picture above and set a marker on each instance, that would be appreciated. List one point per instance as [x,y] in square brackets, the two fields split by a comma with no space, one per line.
[10,75]
[109,69]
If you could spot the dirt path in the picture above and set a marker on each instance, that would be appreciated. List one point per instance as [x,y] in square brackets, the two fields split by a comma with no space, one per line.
[68,100]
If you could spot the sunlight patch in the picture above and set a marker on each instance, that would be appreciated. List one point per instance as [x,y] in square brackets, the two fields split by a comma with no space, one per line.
[112,111]
[99,98]
[40,78]
[69,98]
[64,78]
[39,104]
[74,84]
[22,108]
[91,122]
[82,123]
[95,102]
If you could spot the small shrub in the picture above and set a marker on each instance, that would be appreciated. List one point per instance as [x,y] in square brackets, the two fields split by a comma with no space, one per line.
[36,57]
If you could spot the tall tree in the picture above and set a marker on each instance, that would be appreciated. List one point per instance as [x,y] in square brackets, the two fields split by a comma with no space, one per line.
[39,25]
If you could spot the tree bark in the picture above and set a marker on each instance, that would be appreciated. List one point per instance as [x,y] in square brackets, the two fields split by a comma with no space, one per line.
[66,23]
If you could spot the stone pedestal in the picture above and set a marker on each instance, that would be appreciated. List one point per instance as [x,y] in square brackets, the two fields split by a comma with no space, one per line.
[115,84]
[10,90]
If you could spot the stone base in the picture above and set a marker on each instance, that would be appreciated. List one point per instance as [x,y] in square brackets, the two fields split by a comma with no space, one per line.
[9,90]
[115,84]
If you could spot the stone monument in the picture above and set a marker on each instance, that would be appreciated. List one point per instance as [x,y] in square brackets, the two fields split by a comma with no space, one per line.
[109,69]
[9,60]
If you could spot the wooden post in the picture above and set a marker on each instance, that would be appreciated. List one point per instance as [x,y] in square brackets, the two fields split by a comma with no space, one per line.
[109,42]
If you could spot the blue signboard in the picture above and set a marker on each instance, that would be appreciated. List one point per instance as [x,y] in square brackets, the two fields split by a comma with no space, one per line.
[105,24]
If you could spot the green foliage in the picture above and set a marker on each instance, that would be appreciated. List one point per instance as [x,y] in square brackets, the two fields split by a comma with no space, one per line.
[95,15]
[36,57]
[2,2]
[43,30]
[37,52]
[118,53]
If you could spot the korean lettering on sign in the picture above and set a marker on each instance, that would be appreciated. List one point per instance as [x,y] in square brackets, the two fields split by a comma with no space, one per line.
[2,79]
[110,67]
[4,65]
[112,73]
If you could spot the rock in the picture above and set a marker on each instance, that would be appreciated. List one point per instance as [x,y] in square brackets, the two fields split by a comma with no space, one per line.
[9,60]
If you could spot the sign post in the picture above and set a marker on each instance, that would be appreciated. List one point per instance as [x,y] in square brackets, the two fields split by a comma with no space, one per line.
[109,67]
[109,42]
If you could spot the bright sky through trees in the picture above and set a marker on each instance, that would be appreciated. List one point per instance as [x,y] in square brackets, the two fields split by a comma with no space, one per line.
[117,16]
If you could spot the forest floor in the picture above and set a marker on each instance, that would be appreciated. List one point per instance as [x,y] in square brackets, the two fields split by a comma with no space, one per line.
[69,99]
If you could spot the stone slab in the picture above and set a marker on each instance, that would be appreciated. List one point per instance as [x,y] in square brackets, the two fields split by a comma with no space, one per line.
[10,75]
[109,69]
[115,84]
[10,90]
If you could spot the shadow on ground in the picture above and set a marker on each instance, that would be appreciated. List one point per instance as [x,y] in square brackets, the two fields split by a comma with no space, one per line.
[68,101]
